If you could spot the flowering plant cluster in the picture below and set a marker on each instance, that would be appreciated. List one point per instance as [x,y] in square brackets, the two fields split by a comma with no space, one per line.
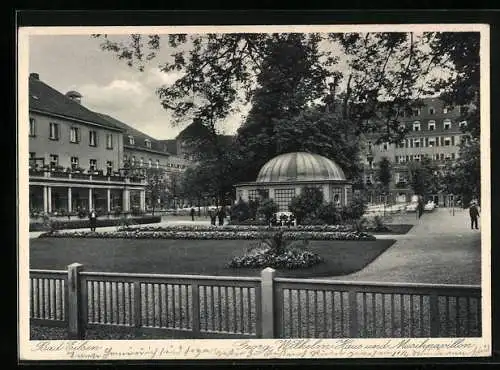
[196,228]
[267,255]
[212,235]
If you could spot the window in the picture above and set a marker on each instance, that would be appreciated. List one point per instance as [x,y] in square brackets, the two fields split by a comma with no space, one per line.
[32,127]
[401,144]
[93,138]
[432,125]
[441,156]
[402,159]
[54,131]
[432,142]
[415,112]
[131,140]
[416,126]
[453,140]
[416,143]
[446,124]
[437,141]
[452,155]
[157,163]
[150,163]
[462,124]
[384,146]
[74,135]
[432,111]
[447,141]
[147,142]
[54,160]
[337,193]
[253,194]
[282,197]
[109,167]
[133,160]
[445,110]
[109,141]
[74,163]
[417,157]
[93,164]
[141,163]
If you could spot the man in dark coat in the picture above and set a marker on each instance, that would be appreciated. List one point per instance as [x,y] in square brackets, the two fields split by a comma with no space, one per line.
[212,215]
[474,214]
[222,215]
[192,214]
[93,219]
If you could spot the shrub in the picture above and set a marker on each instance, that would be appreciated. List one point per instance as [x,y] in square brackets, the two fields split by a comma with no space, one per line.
[268,208]
[329,213]
[309,220]
[80,224]
[82,213]
[240,211]
[306,204]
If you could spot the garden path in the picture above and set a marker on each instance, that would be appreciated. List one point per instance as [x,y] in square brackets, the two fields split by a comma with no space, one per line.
[440,248]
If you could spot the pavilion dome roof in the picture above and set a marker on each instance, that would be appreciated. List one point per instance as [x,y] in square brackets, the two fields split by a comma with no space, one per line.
[300,166]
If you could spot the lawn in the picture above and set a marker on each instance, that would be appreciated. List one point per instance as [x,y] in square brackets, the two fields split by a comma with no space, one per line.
[206,257]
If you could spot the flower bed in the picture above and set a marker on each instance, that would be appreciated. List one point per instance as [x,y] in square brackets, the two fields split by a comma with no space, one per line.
[85,223]
[213,235]
[212,228]
[292,255]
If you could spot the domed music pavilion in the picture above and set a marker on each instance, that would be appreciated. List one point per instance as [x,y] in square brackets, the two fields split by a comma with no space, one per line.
[283,177]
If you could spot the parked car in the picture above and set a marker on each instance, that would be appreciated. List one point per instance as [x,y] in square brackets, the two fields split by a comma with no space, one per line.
[412,207]
[429,206]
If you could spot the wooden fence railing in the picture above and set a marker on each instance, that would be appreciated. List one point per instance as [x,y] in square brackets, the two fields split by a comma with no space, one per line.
[194,306]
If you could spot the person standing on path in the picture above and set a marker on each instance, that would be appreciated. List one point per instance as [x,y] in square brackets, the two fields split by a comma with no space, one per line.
[212,215]
[192,214]
[474,214]
[222,215]
[93,220]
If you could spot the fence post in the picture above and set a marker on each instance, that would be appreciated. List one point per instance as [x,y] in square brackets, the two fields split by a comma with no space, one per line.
[353,314]
[267,302]
[75,302]
[195,297]
[434,315]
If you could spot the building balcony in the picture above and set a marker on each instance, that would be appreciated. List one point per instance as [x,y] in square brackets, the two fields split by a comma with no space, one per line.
[97,176]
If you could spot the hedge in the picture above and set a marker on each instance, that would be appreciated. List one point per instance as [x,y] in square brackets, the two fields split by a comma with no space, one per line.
[81,224]
[232,228]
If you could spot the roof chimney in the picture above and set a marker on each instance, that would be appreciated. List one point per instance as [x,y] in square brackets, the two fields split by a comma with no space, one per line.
[34,76]
[75,96]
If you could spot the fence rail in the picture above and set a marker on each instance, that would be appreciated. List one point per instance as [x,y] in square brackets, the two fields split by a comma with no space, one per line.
[197,306]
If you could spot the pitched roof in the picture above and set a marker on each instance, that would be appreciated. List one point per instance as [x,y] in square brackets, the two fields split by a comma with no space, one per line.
[171,145]
[139,137]
[45,99]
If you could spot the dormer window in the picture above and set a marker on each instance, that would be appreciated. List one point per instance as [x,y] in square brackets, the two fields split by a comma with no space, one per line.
[462,124]
[131,140]
[432,111]
[147,142]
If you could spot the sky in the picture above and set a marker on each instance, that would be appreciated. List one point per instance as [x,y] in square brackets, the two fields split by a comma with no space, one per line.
[109,86]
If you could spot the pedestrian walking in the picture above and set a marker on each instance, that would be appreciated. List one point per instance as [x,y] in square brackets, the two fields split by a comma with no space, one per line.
[192,214]
[93,219]
[222,215]
[474,214]
[420,206]
[212,215]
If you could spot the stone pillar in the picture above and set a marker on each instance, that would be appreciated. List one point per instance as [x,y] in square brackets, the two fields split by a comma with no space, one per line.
[143,200]
[49,199]
[45,200]
[108,196]
[327,195]
[91,201]
[70,201]
[126,200]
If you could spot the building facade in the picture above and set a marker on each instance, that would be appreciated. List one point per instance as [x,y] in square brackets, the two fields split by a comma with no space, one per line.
[75,156]
[434,132]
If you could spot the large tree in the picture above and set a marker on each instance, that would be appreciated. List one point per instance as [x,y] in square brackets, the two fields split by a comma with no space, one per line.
[424,177]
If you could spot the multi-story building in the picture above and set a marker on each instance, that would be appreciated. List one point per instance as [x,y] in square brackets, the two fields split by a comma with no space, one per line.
[434,132]
[142,152]
[75,155]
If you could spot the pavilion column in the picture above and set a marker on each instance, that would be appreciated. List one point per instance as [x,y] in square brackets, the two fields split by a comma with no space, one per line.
[69,199]
[45,200]
[49,199]
[91,201]
[143,200]
[327,196]
[108,196]
[126,200]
